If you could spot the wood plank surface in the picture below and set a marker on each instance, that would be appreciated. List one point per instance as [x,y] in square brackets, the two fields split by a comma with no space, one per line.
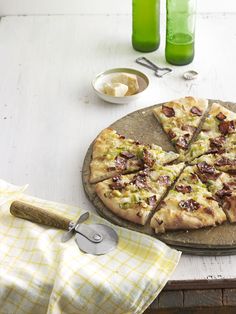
[194,301]
[49,113]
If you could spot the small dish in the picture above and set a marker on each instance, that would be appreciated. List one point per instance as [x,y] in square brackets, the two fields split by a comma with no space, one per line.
[106,77]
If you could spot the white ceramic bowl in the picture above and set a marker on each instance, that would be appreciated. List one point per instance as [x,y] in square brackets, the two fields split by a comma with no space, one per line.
[105,77]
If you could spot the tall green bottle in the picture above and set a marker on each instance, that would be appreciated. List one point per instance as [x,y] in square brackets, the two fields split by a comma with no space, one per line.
[146,25]
[180,31]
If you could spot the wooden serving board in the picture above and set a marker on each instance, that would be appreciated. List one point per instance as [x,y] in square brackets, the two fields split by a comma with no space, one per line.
[141,125]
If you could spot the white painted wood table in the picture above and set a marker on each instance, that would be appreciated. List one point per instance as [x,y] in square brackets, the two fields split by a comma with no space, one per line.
[49,113]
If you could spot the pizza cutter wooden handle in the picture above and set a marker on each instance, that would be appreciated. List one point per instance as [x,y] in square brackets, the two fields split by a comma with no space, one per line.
[39,215]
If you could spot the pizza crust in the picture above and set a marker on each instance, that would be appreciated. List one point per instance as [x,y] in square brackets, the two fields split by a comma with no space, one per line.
[168,219]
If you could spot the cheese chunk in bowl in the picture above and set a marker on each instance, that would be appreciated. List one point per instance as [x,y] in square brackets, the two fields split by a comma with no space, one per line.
[121,85]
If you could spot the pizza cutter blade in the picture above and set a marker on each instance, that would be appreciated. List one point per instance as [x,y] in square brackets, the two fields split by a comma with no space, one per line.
[96,239]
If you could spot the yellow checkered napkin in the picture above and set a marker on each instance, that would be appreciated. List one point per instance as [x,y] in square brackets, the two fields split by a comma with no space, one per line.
[39,274]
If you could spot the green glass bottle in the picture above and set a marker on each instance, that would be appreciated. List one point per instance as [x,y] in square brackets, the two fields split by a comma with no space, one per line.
[180,31]
[146,25]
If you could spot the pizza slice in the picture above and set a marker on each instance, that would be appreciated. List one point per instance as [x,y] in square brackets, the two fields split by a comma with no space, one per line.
[134,196]
[189,205]
[224,190]
[222,185]
[180,120]
[114,154]
[225,162]
[217,134]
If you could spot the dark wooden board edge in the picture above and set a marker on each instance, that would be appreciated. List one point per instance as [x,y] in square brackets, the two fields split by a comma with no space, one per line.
[171,238]
[200,284]
[213,300]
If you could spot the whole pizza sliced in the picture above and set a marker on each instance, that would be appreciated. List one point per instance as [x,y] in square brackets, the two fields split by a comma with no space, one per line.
[134,196]
[180,120]
[217,134]
[189,205]
[114,154]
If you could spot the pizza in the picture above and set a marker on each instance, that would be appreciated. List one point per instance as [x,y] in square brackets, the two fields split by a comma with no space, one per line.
[144,184]
[134,196]
[180,120]
[114,154]
[217,134]
[189,205]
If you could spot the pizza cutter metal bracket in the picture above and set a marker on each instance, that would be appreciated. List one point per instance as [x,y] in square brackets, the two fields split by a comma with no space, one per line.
[72,225]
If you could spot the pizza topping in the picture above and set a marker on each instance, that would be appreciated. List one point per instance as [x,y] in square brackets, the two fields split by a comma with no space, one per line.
[168,112]
[204,167]
[223,192]
[221,116]
[117,186]
[116,179]
[194,177]
[147,158]
[189,205]
[217,144]
[127,155]
[117,183]
[224,161]
[207,172]
[152,200]
[182,141]
[208,211]
[231,183]
[226,127]
[183,188]
[121,163]
[140,180]
[189,128]
[195,110]
[144,172]
[164,180]
[171,134]
[111,168]
[229,202]
[211,198]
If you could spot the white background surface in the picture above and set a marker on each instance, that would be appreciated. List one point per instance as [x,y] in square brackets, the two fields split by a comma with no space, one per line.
[9,7]
[49,113]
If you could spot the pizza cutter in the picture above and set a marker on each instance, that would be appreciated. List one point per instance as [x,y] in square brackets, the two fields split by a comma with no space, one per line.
[96,239]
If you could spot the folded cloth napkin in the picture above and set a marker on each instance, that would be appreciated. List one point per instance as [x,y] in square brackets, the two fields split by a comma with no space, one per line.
[39,274]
